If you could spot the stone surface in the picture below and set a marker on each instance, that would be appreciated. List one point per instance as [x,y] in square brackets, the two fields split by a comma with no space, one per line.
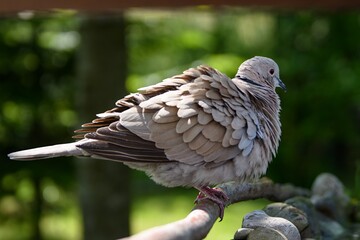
[328,196]
[293,214]
[259,218]
[353,232]
[305,205]
[242,233]
[330,228]
[263,233]
[328,214]
[320,226]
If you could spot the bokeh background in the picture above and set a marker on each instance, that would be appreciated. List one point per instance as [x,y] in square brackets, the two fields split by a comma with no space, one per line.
[55,69]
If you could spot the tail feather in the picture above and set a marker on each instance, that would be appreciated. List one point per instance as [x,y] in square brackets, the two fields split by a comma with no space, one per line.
[67,149]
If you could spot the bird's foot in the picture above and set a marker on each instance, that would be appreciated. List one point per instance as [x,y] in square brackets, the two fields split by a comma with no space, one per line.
[215,195]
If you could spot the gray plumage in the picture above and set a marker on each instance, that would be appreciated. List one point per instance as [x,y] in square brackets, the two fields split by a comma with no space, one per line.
[195,129]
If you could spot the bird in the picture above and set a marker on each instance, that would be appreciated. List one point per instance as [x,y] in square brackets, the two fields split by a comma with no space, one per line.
[196,129]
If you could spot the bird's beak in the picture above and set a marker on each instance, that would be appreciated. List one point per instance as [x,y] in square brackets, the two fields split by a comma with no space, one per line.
[281,84]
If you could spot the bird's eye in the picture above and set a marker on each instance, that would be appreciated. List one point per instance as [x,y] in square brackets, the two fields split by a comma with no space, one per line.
[271,71]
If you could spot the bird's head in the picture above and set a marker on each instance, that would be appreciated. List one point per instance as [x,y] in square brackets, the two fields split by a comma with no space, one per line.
[260,71]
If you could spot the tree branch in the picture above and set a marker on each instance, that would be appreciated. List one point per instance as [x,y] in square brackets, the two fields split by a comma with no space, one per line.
[200,220]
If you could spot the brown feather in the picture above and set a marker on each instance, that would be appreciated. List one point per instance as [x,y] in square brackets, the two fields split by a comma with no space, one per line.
[197,128]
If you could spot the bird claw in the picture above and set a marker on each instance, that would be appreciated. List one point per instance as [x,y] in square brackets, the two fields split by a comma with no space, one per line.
[215,195]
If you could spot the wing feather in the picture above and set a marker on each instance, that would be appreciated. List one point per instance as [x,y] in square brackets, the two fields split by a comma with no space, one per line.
[204,118]
[197,118]
[197,142]
[185,124]
[187,112]
[165,115]
[205,148]
[191,134]
[214,132]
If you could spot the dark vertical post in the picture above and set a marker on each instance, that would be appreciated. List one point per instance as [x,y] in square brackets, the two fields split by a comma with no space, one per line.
[103,185]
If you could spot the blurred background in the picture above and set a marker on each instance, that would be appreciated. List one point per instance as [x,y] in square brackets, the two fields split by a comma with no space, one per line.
[58,69]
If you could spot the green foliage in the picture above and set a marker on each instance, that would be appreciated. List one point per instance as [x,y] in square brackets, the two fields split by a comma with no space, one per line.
[36,108]
[321,109]
[318,54]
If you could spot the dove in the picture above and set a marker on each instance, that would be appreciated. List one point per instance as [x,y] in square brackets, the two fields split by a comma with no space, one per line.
[196,129]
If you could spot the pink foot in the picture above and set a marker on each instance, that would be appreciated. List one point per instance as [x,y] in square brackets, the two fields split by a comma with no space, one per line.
[215,195]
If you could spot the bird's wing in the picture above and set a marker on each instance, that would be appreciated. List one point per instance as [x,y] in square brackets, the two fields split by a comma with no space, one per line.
[198,118]
[119,144]
[133,100]
[205,121]
[115,142]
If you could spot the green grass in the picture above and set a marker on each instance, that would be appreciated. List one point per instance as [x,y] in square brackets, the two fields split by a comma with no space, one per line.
[58,224]
[66,225]
[166,207]
[152,206]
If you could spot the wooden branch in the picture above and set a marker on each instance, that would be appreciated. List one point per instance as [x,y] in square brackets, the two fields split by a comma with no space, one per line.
[200,220]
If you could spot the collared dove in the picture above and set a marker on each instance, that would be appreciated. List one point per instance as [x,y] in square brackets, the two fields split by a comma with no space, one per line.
[196,129]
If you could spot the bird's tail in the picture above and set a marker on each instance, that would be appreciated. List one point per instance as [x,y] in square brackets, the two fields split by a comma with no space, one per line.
[67,149]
